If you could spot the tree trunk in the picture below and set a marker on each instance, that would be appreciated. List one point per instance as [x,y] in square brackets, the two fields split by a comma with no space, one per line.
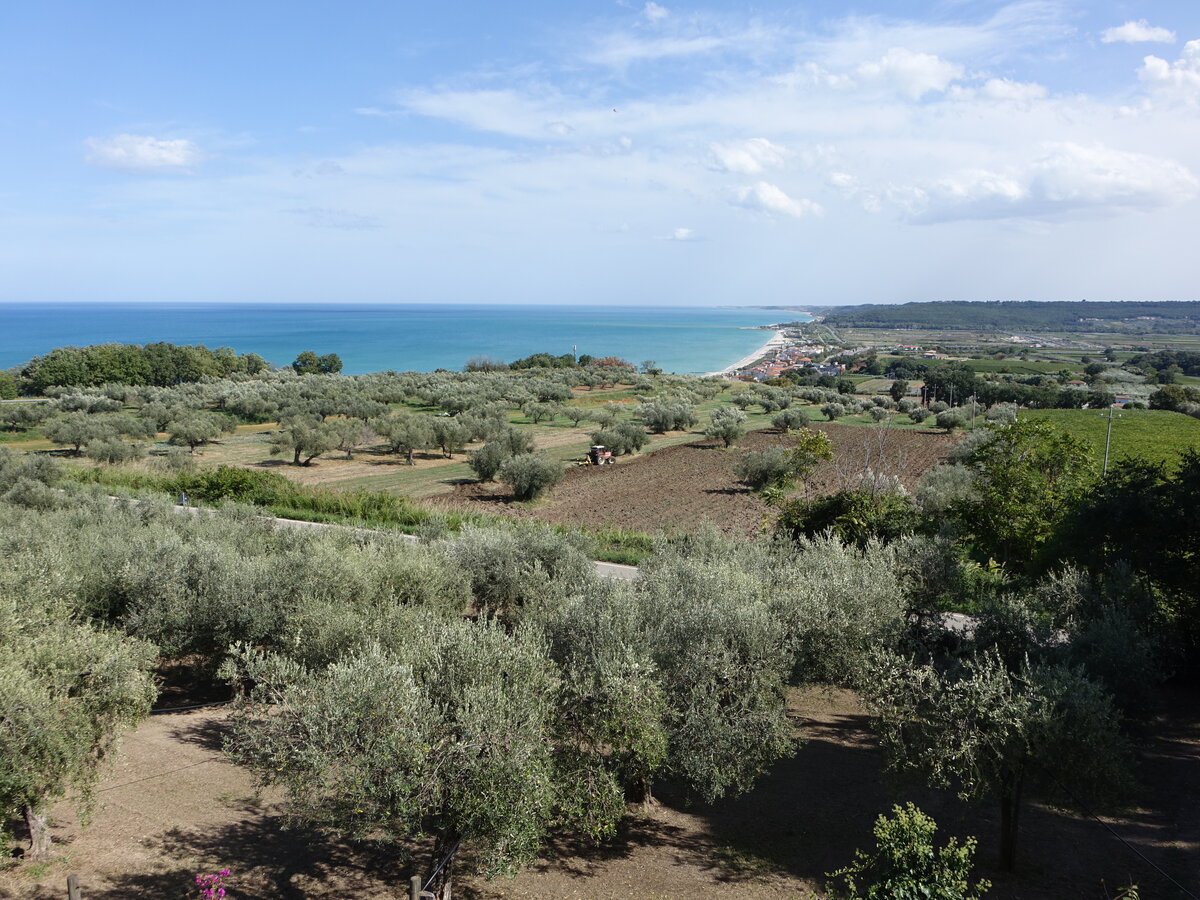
[296,458]
[641,792]
[443,884]
[39,832]
[1010,808]
[410,456]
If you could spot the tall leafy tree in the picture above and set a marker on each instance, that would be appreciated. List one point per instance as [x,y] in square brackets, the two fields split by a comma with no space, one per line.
[1027,477]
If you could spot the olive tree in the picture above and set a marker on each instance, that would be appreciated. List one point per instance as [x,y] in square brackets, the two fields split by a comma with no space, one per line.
[727,425]
[722,662]
[67,692]
[351,433]
[576,415]
[833,411]
[508,442]
[790,419]
[195,427]
[621,439]
[79,429]
[530,474]
[951,419]
[405,433]
[451,434]
[988,731]
[521,567]
[114,450]
[661,416]
[449,736]
[305,438]
[20,416]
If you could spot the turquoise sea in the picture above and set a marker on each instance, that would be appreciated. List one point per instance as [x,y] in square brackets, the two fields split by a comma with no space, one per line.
[408,336]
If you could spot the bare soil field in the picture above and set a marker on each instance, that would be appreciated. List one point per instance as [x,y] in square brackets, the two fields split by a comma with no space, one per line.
[681,486]
[172,808]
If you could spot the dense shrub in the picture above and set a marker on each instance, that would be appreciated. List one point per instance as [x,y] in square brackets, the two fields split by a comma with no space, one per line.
[790,420]
[530,474]
[622,438]
[727,425]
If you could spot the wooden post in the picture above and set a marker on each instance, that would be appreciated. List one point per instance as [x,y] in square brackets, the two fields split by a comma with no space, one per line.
[73,888]
[414,888]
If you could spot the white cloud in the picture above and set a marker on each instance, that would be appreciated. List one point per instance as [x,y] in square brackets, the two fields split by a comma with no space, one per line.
[1183,74]
[619,50]
[1018,91]
[682,234]
[910,73]
[142,153]
[1066,178]
[747,157]
[1139,32]
[654,12]
[768,198]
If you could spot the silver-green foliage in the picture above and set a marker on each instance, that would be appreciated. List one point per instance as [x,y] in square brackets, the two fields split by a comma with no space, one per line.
[530,474]
[450,734]
[989,731]
[513,568]
[67,691]
[727,424]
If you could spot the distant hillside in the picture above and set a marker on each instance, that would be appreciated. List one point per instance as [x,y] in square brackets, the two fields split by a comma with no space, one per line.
[1128,317]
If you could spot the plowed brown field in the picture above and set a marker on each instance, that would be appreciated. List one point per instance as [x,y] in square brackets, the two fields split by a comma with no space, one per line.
[677,488]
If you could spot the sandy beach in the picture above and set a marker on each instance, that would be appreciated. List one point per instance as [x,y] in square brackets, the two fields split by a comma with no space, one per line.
[777,340]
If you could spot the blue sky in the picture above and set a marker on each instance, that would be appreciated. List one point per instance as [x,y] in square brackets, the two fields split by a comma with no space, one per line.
[639,153]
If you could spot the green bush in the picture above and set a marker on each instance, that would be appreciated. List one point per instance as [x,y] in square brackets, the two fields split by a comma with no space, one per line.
[906,865]
[529,474]
[621,439]
[789,420]
[760,468]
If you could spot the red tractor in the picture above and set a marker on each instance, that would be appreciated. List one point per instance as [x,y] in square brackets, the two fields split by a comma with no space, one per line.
[600,455]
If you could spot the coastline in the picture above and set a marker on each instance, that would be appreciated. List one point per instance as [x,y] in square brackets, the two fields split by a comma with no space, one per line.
[776,341]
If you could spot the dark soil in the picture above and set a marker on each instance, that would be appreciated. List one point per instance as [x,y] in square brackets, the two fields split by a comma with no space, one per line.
[679,487]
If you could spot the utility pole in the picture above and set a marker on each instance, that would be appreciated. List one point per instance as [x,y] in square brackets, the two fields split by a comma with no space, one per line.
[1108,439]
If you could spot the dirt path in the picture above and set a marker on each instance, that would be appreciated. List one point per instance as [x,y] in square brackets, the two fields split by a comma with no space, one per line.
[172,808]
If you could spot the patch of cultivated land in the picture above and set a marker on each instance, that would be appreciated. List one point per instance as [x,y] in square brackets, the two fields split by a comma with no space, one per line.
[676,488]
[172,807]
[1157,435]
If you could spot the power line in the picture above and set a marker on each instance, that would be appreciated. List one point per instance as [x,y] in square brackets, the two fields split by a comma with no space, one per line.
[171,709]
[113,787]
[1087,811]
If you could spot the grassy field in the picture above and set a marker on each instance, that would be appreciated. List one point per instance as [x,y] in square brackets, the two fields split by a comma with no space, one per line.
[375,470]
[1158,435]
[1019,366]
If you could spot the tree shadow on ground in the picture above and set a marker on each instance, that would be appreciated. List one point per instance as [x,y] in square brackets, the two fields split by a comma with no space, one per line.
[270,861]
[810,813]
[207,733]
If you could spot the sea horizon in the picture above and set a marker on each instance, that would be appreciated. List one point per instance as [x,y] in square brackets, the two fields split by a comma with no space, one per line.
[400,335]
